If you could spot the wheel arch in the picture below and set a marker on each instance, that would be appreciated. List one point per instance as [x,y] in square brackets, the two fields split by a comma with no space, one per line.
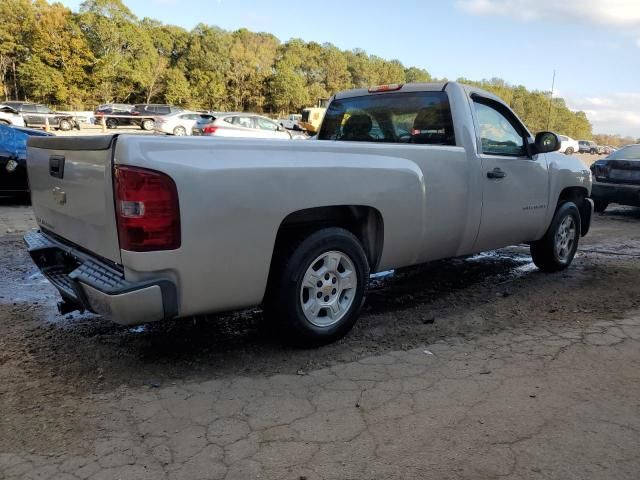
[365,222]
[579,196]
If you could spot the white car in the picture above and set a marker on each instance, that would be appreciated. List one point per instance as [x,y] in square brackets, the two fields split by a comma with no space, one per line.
[179,123]
[568,145]
[10,116]
[244,125]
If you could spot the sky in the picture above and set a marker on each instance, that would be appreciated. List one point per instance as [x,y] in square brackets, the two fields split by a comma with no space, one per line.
[594,45]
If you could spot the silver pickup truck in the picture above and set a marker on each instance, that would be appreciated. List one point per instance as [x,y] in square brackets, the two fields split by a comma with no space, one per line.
[143,228]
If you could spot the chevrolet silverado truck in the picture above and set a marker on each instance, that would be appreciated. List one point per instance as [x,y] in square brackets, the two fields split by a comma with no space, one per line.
[145,228]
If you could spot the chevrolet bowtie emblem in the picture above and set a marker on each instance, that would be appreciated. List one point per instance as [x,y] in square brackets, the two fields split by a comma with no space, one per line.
[59,195]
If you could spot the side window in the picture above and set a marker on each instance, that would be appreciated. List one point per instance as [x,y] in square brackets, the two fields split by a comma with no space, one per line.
[265,124]
[402,117]
[29,108]
[497,132]
[163,110]
[42,109]
[245,122]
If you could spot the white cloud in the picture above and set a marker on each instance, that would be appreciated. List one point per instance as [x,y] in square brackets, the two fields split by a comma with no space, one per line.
[613,113]
[621,14]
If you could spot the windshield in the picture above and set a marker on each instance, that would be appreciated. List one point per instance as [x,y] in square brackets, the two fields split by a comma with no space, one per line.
[631,152]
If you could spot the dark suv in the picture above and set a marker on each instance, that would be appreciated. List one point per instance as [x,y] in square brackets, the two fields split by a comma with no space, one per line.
[36,115]
[117,109]
[147,112]
[588,147]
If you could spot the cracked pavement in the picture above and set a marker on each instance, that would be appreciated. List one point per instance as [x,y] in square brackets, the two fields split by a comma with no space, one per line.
[520,375]
[531,403]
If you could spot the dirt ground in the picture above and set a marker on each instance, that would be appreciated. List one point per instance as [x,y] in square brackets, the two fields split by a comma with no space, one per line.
[464,369]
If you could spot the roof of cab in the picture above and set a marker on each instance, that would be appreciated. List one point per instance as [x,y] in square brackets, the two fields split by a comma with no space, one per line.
[407,87]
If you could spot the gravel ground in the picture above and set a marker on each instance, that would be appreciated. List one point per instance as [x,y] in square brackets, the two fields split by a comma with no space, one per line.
[468,368]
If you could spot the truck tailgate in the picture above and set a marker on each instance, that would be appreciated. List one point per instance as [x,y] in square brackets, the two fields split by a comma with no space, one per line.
[72,191]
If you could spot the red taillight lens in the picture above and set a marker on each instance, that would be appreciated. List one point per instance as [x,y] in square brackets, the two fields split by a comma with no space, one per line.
[147,210]
[209,129]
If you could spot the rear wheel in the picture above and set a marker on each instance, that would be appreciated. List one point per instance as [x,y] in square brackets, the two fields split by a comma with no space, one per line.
[65,125]
[4,122]
[555,251]
[569,151]
[147,124]
[180,131]
[600,206]
[317,288]
[112,123]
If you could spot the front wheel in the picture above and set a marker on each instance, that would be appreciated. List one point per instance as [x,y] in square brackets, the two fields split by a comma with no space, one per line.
[65,125]
[555,251]
[147,125]
[569,151]
[112,123]
[318,287]
[180,131]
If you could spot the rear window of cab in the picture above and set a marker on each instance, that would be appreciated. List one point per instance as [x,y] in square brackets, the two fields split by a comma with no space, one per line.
[403,117]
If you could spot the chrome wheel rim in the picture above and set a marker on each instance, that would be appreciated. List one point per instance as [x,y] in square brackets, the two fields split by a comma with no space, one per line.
[180,132]
[565,238]
[328,288]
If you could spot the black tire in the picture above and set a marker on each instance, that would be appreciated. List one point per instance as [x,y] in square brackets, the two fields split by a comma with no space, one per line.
[599,206]
[112,123]
[147,124]
[4,122]
[65,125]
[545,253]
[179,131]
[569,151]
[283,304]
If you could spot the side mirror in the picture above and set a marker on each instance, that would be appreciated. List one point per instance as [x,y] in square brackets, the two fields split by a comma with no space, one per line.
[547,142]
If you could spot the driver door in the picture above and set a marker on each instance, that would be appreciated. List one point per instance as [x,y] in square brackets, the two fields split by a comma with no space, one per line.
[515,185]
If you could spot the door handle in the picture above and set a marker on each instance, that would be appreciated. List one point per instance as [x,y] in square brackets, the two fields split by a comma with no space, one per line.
[496,173]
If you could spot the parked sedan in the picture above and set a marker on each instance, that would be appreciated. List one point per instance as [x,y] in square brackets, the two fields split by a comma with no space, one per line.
[13,155]
[10,116]
[37,115]
[568,145]
[241,125]
[616,179]
[180,123]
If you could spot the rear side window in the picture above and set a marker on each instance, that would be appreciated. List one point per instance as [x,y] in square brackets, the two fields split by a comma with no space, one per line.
[412,117]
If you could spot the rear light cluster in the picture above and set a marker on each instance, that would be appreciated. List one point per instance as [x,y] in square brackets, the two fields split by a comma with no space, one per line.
[209,129]
[385,88]
[147,210]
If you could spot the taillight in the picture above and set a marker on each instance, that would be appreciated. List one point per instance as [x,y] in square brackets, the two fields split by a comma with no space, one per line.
[209,129]
[147,210]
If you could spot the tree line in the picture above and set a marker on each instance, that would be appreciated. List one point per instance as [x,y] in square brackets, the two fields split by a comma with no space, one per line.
[104,53]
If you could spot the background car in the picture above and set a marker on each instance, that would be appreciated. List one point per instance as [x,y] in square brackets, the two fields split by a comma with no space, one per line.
[616,179]
[568,145]
[147,112]
[13,158]
[113,109]
[587,146]
[10,116]
[180,123]
[37,115]
[292,122]
[247,125]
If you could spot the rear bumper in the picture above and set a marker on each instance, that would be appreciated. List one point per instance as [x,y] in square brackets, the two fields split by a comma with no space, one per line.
[616,193]
[87,283]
